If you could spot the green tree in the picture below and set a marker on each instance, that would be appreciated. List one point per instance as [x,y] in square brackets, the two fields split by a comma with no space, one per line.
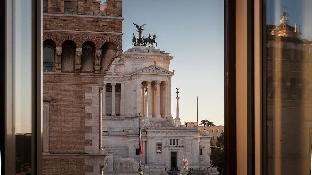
[207,123]
[217,154]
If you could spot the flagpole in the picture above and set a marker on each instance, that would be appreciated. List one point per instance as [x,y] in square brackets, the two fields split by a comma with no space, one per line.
[140,153]
[140,171]
[197,110]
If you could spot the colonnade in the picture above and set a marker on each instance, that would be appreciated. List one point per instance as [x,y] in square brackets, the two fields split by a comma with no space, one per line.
[113,107]
[153,98]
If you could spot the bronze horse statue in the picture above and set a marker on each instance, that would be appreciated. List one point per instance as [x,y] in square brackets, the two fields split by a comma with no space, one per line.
[150,41]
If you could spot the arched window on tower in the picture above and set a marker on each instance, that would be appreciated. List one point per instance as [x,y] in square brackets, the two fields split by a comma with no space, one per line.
[48,55]
[87,57]
[68,56]
[45,6]
[70,6]
[108,52]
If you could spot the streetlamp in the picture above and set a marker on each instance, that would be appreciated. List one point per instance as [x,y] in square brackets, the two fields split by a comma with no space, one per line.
[140,170]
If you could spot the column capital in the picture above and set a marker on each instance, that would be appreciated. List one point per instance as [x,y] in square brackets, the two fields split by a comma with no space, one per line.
[98,52]
[113,84]
[148,82]
[79,51]
[157,82]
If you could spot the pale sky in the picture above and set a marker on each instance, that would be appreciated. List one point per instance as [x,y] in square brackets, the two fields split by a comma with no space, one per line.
[193,32]
[299,12]
[22,66]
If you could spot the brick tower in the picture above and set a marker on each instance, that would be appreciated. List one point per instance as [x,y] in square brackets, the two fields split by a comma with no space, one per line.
[81,38]
[288,99]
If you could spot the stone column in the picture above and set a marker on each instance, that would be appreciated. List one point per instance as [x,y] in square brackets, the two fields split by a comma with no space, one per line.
[144,97]
[168,100]
[158,99]
[122,99]
[104,100]
[113,98]
[149,100]
[78,59]
[139,98]
[97,62]
[58,63]
[144,108]
[45,133]
[100,117]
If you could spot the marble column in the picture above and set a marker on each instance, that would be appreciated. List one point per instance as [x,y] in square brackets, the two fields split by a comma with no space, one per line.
[113,98]
[100,117]
[104,100]
[149,100]
[122,99]
[168,100]
[78,59]
[144,101]
[97,61]
[157,111]
[139,98]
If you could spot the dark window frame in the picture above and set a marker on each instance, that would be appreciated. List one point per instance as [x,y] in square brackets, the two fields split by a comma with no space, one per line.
[7,144]
[2,79]
[230,87]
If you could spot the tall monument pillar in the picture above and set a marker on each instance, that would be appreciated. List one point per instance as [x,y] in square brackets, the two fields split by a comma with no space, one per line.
[177,112]
[177,120]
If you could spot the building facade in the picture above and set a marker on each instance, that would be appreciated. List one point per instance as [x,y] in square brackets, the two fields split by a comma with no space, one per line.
[95,98]
[144,101]
[288,99]
[214,131]
[80,41]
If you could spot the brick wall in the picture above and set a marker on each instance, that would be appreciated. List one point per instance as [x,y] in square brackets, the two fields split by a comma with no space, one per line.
[72,115]
[68,165]
[83,7]
[81,23]
[69,120]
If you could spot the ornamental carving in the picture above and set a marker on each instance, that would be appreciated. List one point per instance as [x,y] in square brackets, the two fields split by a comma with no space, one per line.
[78,51]
[98,52]
[58,51]
[99,39]
[117,79]
[154,69]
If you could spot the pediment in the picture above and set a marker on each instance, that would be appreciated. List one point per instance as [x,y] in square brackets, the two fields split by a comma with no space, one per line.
[153,69]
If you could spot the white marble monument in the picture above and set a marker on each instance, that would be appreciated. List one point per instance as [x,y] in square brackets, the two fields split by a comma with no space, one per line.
[139,84]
